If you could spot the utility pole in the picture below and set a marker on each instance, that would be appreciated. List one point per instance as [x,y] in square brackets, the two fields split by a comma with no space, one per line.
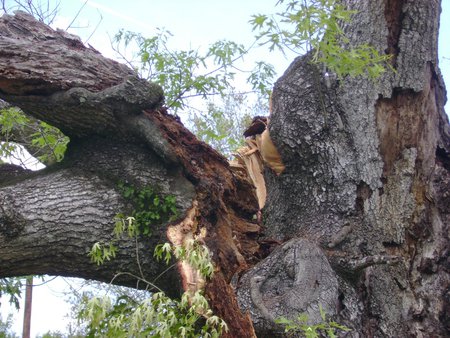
[27,310]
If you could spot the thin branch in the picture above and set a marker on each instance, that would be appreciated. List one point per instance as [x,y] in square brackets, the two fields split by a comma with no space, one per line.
[124,58]
[46,282]
[165,271]
[96,27]
[137,278]
[4,6]
[76,15]
[137,257]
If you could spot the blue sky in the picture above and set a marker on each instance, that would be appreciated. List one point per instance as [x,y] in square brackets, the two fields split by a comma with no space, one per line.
[194,23]
[198,23]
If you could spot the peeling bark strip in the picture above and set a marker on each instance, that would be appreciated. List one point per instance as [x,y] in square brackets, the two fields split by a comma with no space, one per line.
[99,102]
[363,199]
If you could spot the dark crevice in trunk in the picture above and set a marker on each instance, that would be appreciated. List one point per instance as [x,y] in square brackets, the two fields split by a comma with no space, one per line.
[399,123]
[393,13]
[444,316]
[363,192]
[443,157]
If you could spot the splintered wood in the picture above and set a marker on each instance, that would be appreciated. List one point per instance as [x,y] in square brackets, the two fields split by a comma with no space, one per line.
[258,151]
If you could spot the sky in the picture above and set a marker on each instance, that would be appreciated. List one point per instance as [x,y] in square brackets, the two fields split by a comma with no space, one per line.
[194,24]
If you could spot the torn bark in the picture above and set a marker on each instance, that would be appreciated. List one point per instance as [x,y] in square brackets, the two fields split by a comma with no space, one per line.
[363,202]
[119,132]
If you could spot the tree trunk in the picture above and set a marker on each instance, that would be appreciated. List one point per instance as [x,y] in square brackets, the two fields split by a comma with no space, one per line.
[119,132]
[365,187]
[362,207]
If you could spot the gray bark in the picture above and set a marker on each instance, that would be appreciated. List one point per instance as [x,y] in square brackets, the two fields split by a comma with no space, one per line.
[119,131]
[51,219]
[59,213]
[366,182]
[363,204]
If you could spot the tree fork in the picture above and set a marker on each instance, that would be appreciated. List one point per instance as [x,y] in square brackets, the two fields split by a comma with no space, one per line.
[94,100]
[362,205]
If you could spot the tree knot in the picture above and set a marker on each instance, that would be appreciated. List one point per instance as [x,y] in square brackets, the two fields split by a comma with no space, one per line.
[11,222]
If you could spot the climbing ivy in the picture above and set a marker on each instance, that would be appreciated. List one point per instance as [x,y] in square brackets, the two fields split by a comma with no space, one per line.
[149,209]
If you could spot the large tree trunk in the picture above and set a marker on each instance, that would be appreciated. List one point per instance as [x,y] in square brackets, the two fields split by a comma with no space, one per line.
[119,132]
[365,187]
[362,205]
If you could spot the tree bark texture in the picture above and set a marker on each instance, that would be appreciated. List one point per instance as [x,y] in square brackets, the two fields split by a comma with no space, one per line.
[361,210]
[120,132]
[366,184]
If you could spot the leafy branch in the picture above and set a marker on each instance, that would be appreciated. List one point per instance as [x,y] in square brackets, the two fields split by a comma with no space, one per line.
[326,328]
[12,287]
[149,210]
[159,315]
[315,26]
[188,73]
[43,141]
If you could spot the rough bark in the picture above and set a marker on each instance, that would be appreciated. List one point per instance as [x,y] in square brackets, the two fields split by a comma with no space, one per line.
[59,213]
[366,181]
[119,131]
[363,203]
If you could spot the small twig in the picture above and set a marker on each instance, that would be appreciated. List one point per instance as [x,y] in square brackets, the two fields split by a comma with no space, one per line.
[96,27]
[137,257]
[46,282]
[128,62]
[47,144]
[76,15]
[134,276]
[162,273]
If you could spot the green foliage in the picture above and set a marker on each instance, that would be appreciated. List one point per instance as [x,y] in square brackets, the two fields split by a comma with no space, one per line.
[59,334]
[314,25]
[5,327]
[150,208]
[12,287]
[300,326]
[52,334]
[157,316]
[205,73]
[50,138]
[102,252]
[11,118]
[186,73]
[192,252]
[44,142]
[222,126]
[261,78]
